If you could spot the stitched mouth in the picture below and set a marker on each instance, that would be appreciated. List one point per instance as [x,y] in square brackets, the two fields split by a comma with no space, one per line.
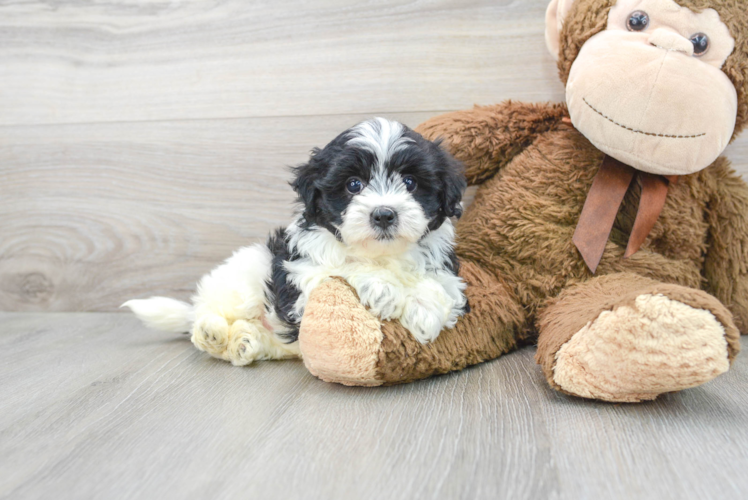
[667,136]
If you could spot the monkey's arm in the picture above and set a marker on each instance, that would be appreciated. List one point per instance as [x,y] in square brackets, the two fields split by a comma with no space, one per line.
[486,138]
[726,264]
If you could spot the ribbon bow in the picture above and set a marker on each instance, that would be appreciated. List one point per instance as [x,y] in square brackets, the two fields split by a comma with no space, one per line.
[603,201]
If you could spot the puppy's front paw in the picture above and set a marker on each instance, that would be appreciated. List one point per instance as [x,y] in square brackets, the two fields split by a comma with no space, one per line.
[424,319]
[384,299]
[210,333]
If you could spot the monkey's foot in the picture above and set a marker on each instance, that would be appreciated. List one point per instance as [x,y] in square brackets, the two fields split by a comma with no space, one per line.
[645,345]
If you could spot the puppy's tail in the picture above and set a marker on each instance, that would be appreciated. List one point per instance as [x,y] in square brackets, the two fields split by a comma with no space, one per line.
[162,313]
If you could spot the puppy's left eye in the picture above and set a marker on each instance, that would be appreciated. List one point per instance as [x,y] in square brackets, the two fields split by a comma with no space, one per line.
[354,185]
[410,183]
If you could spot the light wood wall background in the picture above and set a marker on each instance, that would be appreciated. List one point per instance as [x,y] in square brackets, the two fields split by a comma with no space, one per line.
[142,141]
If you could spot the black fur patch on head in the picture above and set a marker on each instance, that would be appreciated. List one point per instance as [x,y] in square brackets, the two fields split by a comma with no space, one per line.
[282,295]
[321,183]
[440,177]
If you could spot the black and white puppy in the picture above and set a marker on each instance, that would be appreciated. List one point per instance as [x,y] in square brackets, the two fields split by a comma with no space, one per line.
[375,210]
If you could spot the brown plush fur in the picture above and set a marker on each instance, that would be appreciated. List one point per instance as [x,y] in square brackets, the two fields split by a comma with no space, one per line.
[343,342]
[589,17]
[726,263]
[516,251]
[581,304]
[489,331]
[521,223]
[526,280]
[489,136]
[517,255]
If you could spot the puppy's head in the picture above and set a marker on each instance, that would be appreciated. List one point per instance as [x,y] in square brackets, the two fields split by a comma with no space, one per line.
[379,186]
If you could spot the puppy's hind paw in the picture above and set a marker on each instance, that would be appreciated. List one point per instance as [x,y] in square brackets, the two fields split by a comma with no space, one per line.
[250,341]
[210,333]
[245,344]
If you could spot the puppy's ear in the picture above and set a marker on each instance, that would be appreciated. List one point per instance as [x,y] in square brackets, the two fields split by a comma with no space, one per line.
[304,183]
[452,174]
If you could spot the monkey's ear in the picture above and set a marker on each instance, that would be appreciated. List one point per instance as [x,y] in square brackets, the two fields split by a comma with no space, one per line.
[554,21]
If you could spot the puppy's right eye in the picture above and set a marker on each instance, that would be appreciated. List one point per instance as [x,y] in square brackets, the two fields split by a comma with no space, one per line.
[354,185]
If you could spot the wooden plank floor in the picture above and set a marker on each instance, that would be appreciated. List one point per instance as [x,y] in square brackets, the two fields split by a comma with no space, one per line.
[95,406]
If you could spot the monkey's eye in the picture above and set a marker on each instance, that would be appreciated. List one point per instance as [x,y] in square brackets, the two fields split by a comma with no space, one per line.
[354,185]
[410,183]
[638,21]
[700,44]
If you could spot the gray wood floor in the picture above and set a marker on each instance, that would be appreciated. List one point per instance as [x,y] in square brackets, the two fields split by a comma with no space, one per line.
[95,406]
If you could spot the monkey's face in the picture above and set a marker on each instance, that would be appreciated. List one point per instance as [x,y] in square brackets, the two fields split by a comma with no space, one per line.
[649,89]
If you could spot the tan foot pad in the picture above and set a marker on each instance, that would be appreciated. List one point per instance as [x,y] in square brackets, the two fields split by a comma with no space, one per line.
[635,353]
[340,340]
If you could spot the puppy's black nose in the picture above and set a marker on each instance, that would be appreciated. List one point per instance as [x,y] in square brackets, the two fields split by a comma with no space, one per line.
[383,217]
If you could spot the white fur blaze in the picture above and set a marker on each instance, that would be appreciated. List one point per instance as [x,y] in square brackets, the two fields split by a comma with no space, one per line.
[162,313]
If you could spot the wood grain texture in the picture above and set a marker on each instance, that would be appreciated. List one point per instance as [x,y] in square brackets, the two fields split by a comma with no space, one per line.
[141,143]
[95,214]
[72,62]
[95,406]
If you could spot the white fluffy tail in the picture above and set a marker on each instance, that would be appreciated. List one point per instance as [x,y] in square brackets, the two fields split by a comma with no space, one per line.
[162,313]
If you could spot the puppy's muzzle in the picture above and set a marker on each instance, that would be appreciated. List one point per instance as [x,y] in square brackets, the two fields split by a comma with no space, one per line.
[383,218]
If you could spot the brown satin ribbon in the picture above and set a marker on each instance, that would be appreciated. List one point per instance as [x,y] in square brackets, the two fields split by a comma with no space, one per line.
[603,201]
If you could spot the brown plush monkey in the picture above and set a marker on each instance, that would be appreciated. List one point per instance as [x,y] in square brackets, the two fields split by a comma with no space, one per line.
[609,231]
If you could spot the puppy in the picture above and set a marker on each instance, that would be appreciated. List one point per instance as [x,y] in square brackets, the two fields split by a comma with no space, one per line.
[375,210]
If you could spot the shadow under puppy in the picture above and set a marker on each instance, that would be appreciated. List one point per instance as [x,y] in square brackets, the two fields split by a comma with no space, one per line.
[375,209]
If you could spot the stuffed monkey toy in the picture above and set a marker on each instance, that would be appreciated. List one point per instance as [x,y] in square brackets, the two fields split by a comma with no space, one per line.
[607,230]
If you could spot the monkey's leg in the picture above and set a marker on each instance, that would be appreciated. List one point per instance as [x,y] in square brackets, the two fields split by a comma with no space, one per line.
[626,338]
[341,341]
